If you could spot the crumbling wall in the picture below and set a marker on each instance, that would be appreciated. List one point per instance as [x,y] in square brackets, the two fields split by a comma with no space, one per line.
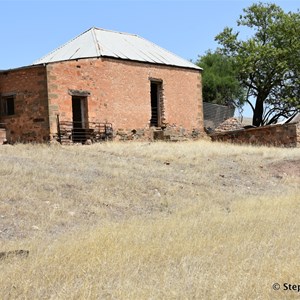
[30,122]
[229,125]
[170,133]
[281,135]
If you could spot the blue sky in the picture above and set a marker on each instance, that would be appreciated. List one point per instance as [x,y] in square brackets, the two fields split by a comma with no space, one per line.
[31,29]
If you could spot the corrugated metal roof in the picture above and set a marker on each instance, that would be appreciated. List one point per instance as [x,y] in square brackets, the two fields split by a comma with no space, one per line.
[97,42]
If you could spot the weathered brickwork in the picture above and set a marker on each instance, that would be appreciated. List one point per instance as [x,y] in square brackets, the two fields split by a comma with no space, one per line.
[115,91]
[281,135]
[30,121]
[119,93]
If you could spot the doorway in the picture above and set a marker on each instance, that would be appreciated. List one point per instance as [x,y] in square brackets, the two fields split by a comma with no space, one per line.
[156,92]
[79,113]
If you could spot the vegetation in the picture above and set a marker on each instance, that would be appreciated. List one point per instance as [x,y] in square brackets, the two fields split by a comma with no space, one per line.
[219,80]
[140,221]
[267,63]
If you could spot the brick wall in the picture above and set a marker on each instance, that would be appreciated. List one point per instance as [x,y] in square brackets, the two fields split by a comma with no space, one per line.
[119,93]
[285,135]
[30,121]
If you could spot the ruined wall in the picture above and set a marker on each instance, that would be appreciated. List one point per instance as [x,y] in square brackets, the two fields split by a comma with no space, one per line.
[119,93]
[30,122]
[281,135]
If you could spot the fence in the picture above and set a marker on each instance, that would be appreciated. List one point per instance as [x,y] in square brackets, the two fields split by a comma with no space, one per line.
[215,114]
[76,132]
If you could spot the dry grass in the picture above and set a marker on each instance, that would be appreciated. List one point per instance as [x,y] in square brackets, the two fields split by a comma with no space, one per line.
[149,221]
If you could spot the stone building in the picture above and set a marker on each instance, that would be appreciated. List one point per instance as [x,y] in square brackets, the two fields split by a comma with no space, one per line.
[102,83]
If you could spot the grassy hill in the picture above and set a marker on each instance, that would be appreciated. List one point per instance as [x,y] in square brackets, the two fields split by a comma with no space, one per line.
[192,220]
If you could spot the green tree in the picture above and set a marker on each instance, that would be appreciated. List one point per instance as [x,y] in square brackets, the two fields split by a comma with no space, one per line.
[268,63]
[220,84]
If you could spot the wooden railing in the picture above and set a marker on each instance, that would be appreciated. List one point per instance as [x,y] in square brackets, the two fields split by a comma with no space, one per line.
[77,132]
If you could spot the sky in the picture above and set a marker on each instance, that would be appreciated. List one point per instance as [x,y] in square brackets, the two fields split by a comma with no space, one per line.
[31,29]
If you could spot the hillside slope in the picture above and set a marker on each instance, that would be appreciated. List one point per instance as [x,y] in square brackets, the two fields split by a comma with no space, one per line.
[149,220]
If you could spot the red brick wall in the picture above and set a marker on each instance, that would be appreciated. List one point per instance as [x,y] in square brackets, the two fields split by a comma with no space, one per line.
[120,92]
[30,121]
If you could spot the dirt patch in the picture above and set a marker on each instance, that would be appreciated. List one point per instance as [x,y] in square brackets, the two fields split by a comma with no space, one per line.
[285,167]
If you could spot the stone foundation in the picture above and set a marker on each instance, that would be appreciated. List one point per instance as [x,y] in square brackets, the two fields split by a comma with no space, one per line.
[280,135]
[171,133]
[3,139]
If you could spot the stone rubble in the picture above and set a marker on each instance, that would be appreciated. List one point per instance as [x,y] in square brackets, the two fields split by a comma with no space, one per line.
[229,125]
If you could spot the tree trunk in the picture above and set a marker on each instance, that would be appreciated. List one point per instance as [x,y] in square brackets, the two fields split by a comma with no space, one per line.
[258,112]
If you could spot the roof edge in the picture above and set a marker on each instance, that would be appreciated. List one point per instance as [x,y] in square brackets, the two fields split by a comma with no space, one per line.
[61,46]
[122,59]
[23,67]
[172,53]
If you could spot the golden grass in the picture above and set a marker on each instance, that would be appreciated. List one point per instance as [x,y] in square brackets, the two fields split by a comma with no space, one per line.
[148,221]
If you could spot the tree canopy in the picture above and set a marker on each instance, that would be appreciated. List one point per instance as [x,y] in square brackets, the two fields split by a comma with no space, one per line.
[220,84]
[268,62]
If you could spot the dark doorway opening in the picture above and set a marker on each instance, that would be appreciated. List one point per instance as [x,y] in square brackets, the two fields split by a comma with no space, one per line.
[156,88]
[79,111]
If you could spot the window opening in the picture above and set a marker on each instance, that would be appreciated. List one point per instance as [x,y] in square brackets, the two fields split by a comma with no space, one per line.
[8,106]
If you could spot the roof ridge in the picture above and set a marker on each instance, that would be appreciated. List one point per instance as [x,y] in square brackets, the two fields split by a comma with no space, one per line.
[97,43]
[114,31]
